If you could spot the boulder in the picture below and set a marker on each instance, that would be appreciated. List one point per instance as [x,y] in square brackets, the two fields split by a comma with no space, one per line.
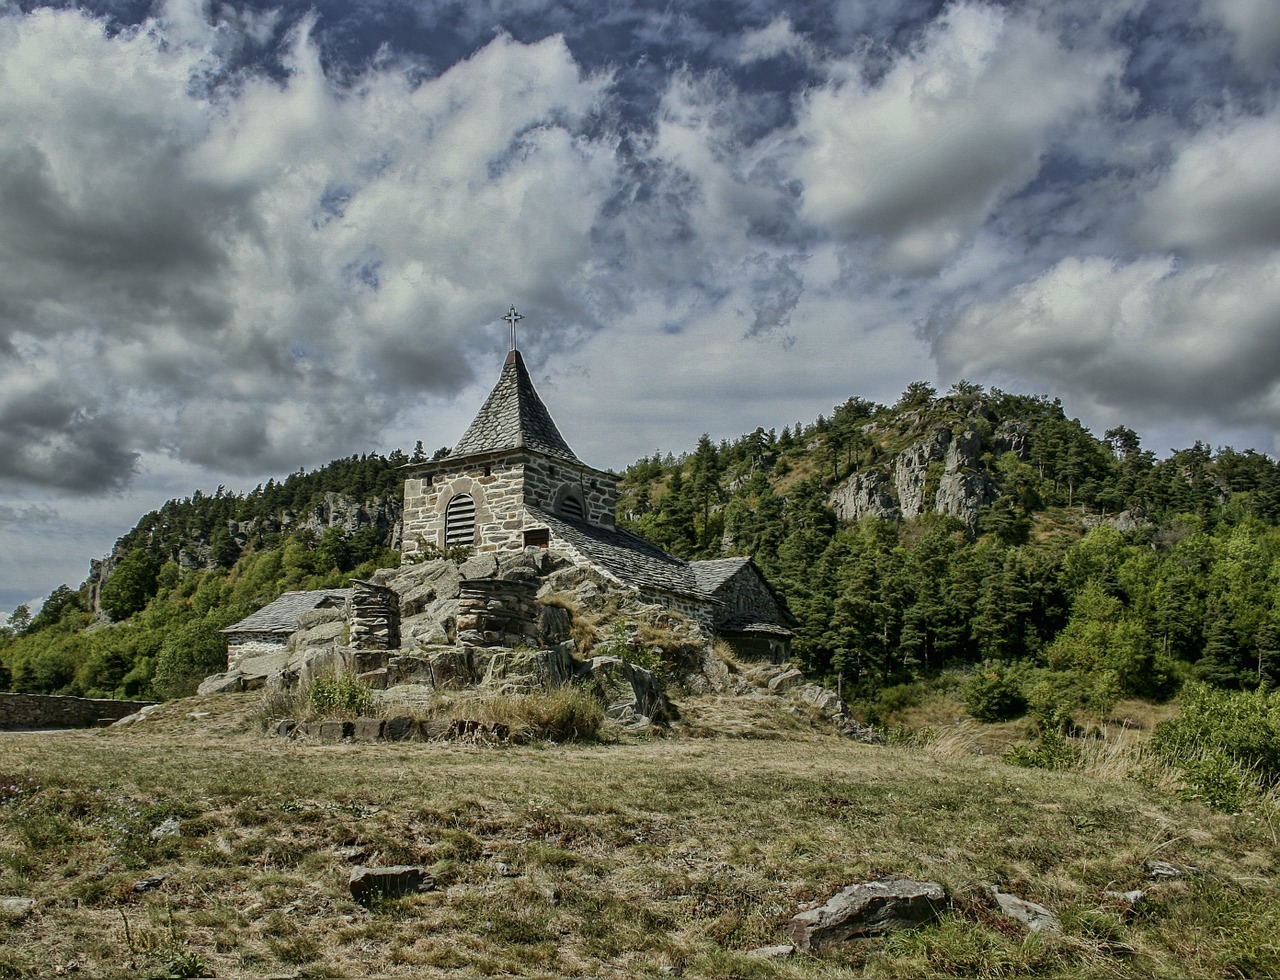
[1035,917]
[517,671]
[16,908]
[626,689]
[871,908]
[824,699]
[231,682]
[785,681]
[370,884]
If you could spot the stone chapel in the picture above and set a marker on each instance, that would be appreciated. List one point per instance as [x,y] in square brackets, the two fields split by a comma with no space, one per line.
[512,482]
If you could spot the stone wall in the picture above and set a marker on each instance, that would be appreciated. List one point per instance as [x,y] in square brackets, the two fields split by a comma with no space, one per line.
[51,711]
[373,612]
[498,612]
[745,595]
[246,645]
[500,495]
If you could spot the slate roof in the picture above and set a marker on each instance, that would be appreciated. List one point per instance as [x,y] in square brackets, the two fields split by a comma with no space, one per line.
[624,555]
[711,573]
[282,615]
[513,417]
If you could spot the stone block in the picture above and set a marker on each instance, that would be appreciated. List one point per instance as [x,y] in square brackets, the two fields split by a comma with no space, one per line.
[367,729]
[872,908]
[399,729]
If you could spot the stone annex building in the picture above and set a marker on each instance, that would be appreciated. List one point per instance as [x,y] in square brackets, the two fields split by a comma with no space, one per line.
[512,482]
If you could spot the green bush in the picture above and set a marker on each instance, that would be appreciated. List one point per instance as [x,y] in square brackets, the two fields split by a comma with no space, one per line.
[339,696]
[994,693]
[1227,744]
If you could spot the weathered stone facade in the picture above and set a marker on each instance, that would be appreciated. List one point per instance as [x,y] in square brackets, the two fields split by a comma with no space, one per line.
[501,486]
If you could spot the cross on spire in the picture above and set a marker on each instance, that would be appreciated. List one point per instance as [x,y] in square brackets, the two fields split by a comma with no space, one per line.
[513,318]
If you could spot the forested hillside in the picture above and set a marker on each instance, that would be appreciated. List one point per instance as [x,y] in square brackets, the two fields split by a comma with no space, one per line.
[941,532]
[1059,549]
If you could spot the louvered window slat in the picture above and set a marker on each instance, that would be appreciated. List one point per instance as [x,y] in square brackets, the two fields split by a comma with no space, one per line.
[571,507]
[460,521]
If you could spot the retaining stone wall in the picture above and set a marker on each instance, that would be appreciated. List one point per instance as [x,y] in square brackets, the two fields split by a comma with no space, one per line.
[497,612]
[54,711]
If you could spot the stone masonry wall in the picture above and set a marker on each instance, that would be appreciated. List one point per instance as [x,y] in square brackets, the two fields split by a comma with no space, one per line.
[500,498]
[498,612]
[745,595]
[52,711]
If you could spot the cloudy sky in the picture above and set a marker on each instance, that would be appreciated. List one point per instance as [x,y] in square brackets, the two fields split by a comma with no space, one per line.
[241,238]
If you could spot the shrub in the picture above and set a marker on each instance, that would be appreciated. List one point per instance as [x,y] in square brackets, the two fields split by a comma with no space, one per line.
[994,693]
[1227,744]
[339,695]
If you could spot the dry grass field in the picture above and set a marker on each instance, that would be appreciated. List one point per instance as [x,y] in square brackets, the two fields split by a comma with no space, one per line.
[670,856]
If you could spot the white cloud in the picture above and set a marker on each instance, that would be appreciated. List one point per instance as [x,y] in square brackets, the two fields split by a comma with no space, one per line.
[271,266]
[921,157]
[777,39]
[1150,336]
[1255,30]
[1220,190]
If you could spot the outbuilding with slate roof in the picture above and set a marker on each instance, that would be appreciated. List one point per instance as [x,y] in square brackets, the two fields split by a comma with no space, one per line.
[268,630]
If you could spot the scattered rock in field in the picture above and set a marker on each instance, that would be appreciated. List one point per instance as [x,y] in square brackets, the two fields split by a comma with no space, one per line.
[137,716]
[870,908]
[1132,900]
[369,884]
[771,952]
[1164,871]
[1037,918]
[505,869]
[16,908]
[627,690]
[169,827]
[148,884]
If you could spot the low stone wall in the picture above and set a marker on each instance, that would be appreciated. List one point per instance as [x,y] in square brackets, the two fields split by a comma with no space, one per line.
[52,711]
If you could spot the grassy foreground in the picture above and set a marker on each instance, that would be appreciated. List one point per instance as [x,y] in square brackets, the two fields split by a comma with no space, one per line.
[646,858]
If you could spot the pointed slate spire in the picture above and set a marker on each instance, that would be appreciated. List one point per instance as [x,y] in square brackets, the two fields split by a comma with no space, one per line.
[513,417]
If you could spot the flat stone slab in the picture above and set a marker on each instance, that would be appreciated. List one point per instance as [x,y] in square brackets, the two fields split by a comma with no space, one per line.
[1035,917]
[370,884]
[871,908]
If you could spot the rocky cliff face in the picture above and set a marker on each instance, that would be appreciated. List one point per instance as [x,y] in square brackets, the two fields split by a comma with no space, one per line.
[962,486]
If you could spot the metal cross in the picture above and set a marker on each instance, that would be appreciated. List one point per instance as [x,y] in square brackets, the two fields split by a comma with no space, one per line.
[513,318]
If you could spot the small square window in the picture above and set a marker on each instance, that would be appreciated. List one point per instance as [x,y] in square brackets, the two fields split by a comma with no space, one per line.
[537,537]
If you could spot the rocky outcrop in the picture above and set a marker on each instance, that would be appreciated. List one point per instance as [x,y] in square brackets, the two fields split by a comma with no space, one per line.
[910,471]
[865,494]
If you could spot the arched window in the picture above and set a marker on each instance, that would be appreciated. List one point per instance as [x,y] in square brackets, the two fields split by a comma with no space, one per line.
[460,521]
[571,506]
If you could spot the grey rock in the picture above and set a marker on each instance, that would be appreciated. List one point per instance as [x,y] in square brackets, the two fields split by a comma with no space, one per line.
[1036,917]
[910,470]
[824,699]
[15,907]
[785,681]
[871,908]
[864,494]
[1158,870]
[169,827]
[626,689]
[148,884]
[771,952]
[370,884]
[229,683]
[484,565]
